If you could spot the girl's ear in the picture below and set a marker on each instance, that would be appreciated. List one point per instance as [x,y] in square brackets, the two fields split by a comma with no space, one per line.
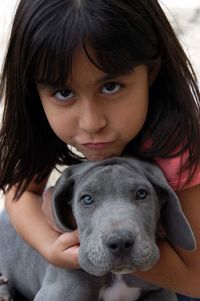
[153,72]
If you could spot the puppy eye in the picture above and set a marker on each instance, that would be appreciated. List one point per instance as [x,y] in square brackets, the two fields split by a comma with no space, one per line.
[87,200]
[141,194]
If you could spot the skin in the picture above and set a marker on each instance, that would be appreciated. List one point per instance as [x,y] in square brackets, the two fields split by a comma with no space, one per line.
[99,117]
[96,115]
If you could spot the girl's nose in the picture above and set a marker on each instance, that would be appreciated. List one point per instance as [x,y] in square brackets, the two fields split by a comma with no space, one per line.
[92,119]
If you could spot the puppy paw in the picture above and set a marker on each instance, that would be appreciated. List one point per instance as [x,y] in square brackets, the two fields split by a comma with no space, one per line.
[6,298]
[4,290]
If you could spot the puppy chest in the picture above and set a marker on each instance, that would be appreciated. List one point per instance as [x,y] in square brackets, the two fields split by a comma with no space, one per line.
[119,291]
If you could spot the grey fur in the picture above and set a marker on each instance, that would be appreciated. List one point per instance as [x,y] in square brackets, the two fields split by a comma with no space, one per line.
[116,203]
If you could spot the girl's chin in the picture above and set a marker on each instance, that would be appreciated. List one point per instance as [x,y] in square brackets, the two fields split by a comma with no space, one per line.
[98,157]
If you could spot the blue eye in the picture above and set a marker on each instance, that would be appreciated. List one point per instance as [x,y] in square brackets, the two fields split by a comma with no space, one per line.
[111,88]
[87,200]
[141,194]
[64,94]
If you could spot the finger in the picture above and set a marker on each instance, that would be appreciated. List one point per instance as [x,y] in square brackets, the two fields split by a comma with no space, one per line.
[71,257]
[47,194]
[69,239]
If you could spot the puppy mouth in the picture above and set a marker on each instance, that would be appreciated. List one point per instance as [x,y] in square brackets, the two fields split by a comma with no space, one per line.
[100,261]
[121,266]
[120,270]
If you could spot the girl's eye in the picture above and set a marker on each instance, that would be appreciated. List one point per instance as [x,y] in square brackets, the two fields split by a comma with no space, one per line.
[111,88]
[63,95]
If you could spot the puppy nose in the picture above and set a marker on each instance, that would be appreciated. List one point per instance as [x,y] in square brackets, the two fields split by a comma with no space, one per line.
[120,243]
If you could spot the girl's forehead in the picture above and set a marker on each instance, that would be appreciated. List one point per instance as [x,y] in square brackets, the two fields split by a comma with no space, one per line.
[85,71]
[83,65]
[86,63]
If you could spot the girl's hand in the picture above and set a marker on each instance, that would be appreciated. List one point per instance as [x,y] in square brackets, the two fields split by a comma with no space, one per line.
[58,249]
[64,251]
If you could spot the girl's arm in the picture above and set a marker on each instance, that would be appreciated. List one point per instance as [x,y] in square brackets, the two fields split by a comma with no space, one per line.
[179,270]
[28,220]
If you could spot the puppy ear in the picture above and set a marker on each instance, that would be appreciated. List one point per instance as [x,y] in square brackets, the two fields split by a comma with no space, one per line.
[63,196]
[61,200]
[174,221]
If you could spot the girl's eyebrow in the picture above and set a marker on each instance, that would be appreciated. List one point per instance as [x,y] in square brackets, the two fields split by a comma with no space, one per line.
[105,78]
[48,85]
[109,77]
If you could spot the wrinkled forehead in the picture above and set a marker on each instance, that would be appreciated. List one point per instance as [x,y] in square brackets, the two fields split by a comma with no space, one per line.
[112,178]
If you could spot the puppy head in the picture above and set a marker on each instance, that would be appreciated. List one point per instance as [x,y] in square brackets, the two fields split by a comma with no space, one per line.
[119,197]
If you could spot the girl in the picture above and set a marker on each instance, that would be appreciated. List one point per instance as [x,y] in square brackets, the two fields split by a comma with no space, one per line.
[106,77]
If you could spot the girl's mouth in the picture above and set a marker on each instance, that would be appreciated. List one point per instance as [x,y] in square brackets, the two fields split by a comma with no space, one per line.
[96,145]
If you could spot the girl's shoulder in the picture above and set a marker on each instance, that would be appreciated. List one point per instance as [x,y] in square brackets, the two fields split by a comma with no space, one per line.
[171,169]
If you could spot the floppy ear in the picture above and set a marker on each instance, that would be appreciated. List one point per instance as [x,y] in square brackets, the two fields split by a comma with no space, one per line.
[174,221]
[63,196]
[61,201]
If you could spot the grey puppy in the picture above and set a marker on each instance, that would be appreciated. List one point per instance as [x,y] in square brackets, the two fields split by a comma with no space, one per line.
[117,204]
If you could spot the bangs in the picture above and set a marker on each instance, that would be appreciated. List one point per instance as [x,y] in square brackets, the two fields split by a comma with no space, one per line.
[114,42]
[53,48]
[120,38]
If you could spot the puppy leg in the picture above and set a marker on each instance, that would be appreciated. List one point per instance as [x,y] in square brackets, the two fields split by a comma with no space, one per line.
[73,285]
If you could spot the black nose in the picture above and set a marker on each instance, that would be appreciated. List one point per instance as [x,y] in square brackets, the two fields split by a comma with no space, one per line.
[120,243]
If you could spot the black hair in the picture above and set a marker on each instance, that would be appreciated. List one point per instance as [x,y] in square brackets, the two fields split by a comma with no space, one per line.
[122,34]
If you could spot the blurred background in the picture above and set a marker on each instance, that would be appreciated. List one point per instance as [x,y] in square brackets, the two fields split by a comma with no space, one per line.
[184,16]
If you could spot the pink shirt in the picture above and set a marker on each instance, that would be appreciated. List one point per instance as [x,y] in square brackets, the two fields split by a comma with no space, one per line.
[170,168]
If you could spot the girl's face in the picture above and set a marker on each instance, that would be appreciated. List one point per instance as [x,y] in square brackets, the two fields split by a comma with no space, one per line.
[95,112]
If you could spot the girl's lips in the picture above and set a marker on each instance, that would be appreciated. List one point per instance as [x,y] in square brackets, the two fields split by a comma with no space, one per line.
[97,146]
